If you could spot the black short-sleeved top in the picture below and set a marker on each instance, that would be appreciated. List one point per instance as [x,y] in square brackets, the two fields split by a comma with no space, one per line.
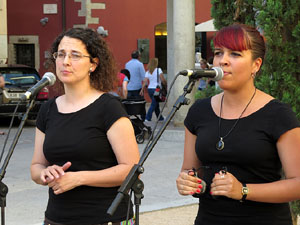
[250,154]
[80,138]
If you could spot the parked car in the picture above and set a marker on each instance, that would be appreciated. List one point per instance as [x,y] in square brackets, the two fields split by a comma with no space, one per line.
[18,79]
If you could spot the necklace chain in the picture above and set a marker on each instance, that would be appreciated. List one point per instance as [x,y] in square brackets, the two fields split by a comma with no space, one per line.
[220,143]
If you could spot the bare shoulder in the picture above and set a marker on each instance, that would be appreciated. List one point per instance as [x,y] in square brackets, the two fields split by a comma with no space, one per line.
[216,102]
[262,99]
[60,100]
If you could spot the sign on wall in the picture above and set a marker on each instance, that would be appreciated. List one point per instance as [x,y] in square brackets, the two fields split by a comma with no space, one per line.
[50,8]
[143,47]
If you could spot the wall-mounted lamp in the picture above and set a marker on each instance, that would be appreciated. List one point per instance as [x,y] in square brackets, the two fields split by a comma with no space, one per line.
[102,32]
[44,21]
[161,33]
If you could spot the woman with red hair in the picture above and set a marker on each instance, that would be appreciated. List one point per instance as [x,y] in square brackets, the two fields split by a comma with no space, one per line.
[238,142]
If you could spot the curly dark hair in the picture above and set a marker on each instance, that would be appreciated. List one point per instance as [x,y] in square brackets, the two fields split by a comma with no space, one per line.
[105,75]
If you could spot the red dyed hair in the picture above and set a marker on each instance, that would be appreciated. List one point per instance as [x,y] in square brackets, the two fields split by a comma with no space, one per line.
[239,37]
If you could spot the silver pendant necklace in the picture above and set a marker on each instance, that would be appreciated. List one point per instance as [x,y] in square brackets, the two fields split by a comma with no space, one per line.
[220,144]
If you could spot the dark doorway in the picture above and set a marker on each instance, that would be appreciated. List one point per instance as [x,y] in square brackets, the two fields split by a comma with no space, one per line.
[25,54]
[161,52]
[200,42]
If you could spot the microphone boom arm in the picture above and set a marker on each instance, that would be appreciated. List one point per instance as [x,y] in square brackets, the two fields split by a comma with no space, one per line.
[132,180]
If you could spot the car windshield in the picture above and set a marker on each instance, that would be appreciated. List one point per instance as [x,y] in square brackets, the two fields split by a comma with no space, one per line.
[20,77]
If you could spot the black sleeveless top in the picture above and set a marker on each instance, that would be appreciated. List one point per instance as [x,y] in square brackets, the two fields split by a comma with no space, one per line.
[80,138]
[250,154]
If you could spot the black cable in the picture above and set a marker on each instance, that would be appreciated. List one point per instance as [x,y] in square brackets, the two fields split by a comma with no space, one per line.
[128,208]
[164,105]
[9,129]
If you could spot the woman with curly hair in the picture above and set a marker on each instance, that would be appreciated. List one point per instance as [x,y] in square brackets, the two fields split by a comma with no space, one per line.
[85,144]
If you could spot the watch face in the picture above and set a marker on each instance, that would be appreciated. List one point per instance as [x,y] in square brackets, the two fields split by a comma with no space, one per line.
[245,190]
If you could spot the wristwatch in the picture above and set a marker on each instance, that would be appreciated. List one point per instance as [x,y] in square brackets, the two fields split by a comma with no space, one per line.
[245,192]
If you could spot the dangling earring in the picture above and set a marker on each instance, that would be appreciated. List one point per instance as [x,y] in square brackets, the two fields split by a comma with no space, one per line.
[253,75]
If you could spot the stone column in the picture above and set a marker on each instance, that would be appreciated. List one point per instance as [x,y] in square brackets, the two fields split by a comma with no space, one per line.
[180,49]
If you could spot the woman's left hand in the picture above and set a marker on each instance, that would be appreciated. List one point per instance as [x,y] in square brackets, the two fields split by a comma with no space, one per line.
[64,183]
[142,92]
[226,185]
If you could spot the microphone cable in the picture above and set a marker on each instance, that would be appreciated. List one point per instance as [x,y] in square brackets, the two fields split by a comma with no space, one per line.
[163,107]
[9,129]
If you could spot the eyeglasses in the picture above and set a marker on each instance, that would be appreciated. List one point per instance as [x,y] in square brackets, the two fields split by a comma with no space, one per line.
[74,56]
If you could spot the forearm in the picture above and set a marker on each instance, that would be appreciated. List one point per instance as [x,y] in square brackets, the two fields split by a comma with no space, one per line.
[2,82]
[125,93]
[124,89]
[162,78]
[110,177]
[36,170]
[145,83]
[275,192]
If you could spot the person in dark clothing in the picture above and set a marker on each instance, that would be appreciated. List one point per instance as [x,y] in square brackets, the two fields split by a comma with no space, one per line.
[85,144]
[239,141]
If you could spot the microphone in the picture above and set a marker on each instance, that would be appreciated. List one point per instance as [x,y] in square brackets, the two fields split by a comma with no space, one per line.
[48,79]
[193,172]
[216,73]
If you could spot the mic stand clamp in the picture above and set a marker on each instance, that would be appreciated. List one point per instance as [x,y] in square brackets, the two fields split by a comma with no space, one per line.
[132,180]
[3,187]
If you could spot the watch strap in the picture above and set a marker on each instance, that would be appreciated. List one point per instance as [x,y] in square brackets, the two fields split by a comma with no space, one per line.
[244,194]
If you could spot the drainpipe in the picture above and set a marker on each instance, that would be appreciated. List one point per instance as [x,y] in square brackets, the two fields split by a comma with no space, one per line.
[63,15]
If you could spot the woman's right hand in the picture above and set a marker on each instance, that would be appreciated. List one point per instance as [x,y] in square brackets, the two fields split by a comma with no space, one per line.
[53,172]
[188,184]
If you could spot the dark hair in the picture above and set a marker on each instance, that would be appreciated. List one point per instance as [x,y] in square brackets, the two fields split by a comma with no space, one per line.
[135,54]
[105,74]
[239,37]
[210,60]
[126,72]
[203,61]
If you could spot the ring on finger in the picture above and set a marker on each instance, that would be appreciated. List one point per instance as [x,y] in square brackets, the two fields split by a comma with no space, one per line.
[222,173]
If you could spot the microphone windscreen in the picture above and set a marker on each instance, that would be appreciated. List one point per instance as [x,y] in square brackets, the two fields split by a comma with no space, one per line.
[51,77]
[219,73]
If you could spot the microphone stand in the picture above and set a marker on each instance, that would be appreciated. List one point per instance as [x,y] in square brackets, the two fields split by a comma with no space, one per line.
[132,180]
[3,187]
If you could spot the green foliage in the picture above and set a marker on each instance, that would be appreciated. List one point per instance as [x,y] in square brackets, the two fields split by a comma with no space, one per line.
[279,21]
[227,12]
[207,92]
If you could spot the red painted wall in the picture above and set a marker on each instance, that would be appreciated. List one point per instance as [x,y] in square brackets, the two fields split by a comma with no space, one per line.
[128,21]
[202,14]
[23,18]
